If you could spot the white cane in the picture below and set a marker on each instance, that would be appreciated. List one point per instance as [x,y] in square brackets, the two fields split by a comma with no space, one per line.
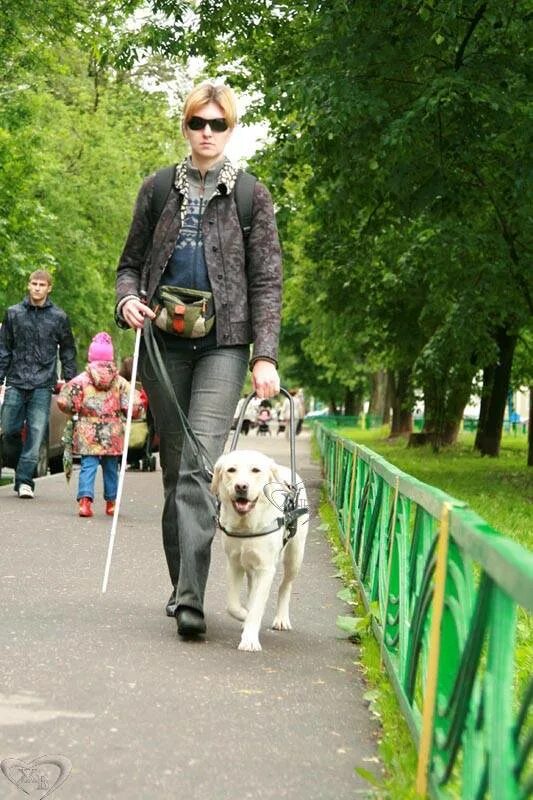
[124,461]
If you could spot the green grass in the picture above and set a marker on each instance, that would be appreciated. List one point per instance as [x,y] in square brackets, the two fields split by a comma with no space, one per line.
[498,489]
[395,746]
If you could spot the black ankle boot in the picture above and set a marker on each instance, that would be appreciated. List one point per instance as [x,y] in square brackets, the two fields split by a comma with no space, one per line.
[172,605]
[190,621]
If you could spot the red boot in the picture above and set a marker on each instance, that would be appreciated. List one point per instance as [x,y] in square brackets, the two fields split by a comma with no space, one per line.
[109,507]
[85,507]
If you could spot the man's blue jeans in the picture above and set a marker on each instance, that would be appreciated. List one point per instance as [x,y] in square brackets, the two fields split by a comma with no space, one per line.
[89,466]
[30,406]
[208,384]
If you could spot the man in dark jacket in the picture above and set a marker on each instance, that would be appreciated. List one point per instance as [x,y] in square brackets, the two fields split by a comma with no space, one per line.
[31,334]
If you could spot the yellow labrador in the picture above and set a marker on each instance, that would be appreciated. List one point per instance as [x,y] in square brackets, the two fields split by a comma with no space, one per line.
[251,487]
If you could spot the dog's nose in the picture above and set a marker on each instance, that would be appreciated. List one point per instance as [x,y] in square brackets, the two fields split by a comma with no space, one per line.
[241,488]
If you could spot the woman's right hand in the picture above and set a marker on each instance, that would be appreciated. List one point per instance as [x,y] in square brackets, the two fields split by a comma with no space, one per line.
[134,311]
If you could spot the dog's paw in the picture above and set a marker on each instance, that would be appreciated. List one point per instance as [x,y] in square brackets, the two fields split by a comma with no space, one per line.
[281,623]
[249,643]
[239,612]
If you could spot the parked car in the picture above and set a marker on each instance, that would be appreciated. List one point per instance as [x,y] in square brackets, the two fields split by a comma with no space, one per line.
[51,451]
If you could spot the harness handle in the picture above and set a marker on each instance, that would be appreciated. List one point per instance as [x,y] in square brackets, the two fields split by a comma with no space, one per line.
[291,511]
[292,430]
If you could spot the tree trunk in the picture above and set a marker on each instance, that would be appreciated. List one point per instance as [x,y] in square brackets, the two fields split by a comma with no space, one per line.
[530,430]
[488,383]
[390,397]
[379,395]
[352,403]
[402,415]
[489,438]
[444,405]
[432,407]
[457,400]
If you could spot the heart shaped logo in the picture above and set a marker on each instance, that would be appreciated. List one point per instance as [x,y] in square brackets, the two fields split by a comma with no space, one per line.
[278,494]
[35,777]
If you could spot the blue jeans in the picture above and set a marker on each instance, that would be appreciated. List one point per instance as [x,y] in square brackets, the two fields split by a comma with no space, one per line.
[30,406]
[89,466]
[208,384]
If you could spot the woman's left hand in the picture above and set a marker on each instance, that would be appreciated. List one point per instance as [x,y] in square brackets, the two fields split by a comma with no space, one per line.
[265,379]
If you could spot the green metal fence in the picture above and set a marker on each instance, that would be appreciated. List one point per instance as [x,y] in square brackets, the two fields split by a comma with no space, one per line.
[370,421]
[448,588]
[366,421]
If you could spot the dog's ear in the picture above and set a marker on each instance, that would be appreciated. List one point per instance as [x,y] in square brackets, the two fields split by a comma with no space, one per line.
[278,474]
[217,473]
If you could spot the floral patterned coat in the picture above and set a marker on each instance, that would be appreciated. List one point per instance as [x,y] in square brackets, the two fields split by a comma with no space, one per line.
[99,398]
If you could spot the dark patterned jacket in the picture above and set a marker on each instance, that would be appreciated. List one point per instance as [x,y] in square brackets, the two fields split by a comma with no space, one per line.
[246,291]
[29,341]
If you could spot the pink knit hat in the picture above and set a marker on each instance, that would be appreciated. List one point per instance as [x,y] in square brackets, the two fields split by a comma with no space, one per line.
[101,348]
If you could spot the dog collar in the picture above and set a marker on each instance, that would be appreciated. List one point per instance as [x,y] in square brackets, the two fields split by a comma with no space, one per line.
[280,523]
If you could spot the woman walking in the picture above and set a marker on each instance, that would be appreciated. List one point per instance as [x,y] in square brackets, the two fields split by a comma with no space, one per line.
[197,251]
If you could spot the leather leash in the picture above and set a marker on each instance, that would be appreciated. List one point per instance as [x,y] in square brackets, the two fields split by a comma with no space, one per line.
[154,354]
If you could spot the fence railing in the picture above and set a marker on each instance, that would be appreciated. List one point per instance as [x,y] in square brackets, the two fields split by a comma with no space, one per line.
[370,421]
[448,588]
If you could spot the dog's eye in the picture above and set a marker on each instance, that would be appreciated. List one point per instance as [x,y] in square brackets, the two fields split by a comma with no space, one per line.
[231,469]
[256,469]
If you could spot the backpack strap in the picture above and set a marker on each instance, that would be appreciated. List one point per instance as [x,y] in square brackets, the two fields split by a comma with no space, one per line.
[244,194]
[164,178]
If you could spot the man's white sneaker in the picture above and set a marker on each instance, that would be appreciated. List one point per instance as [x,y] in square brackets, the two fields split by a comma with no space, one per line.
[25,491]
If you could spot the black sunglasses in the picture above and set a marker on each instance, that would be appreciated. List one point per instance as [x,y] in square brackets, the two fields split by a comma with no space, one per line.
[218,124]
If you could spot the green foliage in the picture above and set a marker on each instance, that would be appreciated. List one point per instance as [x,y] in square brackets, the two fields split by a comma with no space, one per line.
[400,156]
[353,626]
[76,138]
[399,161]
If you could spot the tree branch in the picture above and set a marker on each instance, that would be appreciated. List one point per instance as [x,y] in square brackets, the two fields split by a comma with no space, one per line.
[374,211]
[510,239]
[473,25]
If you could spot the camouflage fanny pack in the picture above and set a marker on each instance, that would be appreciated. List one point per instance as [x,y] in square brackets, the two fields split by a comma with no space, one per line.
[184,312]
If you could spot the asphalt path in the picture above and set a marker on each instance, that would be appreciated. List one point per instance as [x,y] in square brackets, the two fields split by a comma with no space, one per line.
[105,683]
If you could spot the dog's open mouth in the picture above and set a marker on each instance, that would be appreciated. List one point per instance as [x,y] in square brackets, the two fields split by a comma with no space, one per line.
[242,505]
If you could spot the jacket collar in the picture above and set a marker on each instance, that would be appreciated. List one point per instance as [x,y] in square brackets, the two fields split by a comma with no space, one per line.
[226,180]
[26,302]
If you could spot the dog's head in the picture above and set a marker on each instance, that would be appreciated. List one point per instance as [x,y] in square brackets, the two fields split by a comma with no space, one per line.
[240,478]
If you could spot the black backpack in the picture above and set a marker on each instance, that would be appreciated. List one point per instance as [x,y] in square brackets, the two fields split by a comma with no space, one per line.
[244,192]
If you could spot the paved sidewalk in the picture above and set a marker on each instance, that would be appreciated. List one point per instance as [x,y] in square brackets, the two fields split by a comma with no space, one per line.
[104,681]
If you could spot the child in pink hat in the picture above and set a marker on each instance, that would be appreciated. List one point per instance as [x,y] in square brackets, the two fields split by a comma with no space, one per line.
[98,397]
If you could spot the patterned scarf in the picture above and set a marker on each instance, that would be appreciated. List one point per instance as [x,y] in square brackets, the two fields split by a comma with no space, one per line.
[226,181]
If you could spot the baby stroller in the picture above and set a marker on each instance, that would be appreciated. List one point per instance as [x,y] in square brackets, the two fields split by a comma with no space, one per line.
[143,443]
[263,421]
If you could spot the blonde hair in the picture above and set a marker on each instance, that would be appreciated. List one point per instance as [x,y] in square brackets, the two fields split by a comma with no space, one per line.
[41,275]
[207,93]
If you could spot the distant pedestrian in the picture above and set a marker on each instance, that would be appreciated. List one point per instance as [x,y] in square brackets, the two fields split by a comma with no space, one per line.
[299,412]
[249,416]
[98,398]
[33,334]
[515,420]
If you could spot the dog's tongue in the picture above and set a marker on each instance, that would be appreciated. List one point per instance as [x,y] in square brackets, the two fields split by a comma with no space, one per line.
[242,506]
